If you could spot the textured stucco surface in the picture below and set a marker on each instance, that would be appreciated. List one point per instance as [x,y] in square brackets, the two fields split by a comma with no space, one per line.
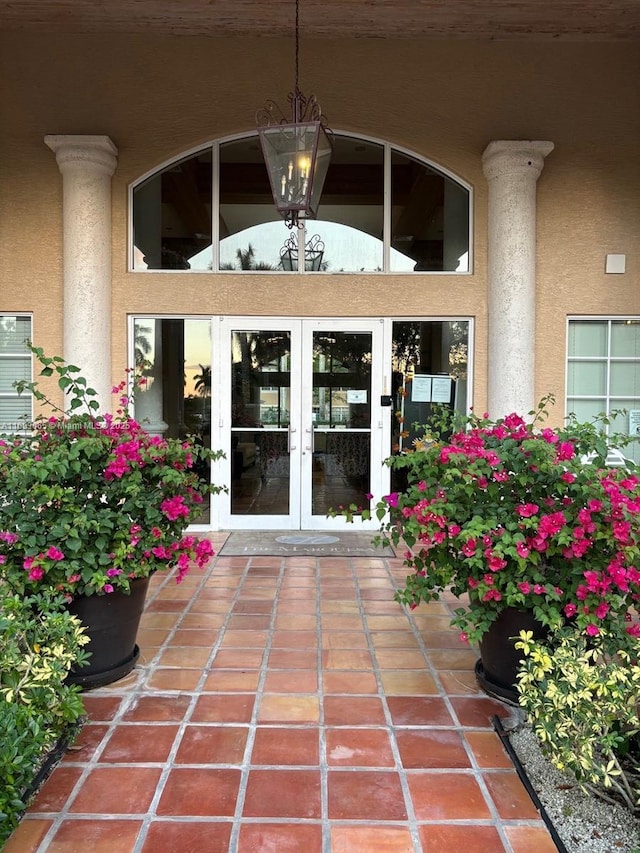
[156,97]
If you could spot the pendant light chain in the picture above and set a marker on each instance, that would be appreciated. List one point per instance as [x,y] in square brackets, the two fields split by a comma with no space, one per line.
[296,151]
[297,43]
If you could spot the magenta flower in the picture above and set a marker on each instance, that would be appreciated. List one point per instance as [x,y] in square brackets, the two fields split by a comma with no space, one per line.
[527,510]
[54,553]
[174,507]
[8,537]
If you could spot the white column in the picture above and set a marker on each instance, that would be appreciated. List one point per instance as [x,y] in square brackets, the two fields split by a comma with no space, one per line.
[512,169]
[87,164]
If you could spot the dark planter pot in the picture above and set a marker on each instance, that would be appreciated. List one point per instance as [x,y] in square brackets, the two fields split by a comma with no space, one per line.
[497,668]
[112,626]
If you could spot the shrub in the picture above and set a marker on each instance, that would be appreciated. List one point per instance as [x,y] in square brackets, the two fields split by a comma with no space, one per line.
[509,513]
[93,501]
[39,642]
[582,699]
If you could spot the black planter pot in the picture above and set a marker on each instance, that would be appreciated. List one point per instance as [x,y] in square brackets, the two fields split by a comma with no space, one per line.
[112,626]
[497,668]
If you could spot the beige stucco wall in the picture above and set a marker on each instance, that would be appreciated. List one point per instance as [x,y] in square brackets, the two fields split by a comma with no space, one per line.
[157,97]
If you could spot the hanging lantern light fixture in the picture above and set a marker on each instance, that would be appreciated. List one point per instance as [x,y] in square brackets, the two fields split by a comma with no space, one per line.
[296,151]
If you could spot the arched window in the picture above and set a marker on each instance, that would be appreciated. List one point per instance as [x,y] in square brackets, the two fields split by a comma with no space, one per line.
[382,210]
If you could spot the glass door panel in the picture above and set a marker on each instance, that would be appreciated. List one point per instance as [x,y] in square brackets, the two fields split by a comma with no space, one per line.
[260,422]
[341,419]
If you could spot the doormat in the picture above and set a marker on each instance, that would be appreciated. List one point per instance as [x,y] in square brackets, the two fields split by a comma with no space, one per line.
[300,543]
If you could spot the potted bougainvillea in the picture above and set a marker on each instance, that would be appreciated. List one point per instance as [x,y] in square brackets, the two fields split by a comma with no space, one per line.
[92,507]
[525,524]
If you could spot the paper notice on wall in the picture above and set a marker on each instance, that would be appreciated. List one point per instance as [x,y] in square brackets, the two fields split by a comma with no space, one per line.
[356,396]
[431,389]
[634,422]
[441,389]
[421,389]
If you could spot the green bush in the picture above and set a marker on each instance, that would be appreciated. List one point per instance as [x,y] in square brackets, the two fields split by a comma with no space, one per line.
[39,643]
[582,699]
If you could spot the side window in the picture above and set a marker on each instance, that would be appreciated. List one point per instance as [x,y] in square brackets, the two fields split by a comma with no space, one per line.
[16,411]
[172,217]
[429,219]
[251,230]
[603,374]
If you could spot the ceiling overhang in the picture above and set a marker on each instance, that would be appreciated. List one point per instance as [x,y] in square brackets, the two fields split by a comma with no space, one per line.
[567,20]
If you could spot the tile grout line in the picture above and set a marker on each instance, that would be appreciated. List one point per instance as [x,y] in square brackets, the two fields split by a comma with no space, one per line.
[168,764]
[246,767]
[400,770]
[477,772]
[322,732]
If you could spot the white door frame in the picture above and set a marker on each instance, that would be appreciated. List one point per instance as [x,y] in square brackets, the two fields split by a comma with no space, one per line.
[301,428]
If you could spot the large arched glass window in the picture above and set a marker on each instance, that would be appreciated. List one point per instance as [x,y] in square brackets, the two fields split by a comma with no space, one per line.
[382,210]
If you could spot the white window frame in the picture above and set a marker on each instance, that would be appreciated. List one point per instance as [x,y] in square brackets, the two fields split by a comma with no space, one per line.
[22,426]
[611,401]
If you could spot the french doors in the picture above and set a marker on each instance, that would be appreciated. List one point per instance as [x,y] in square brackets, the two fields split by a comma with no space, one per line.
[301,420]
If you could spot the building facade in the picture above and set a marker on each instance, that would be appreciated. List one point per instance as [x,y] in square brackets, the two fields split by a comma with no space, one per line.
[477,242]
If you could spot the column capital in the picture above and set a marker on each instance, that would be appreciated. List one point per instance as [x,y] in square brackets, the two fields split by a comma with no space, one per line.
[504,157]
[72,150]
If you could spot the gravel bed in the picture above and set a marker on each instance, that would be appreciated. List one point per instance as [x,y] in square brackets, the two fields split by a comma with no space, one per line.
[584,823]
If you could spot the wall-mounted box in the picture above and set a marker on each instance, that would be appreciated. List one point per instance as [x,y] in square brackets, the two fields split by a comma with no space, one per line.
[615,263]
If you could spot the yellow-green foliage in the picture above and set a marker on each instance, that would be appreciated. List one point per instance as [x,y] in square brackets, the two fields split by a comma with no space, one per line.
[582,699]
[39,643]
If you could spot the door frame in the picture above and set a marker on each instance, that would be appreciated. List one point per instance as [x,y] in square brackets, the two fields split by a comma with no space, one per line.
[300,515]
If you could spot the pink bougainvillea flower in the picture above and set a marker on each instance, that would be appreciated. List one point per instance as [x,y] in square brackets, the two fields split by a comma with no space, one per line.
[496,563]
[54,553]
[565,450]
[469,547]
[527,510]
[174,507]
[391,499]
[492,595]
[9,538]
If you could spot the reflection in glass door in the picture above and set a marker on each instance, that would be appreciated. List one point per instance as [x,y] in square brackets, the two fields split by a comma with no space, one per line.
[260,422]
[300,434]
[340,420]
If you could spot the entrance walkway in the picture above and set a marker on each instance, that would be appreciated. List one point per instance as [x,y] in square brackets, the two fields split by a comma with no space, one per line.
[287,705]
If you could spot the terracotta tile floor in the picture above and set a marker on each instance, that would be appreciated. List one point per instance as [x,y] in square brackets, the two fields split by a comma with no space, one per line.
[288,704]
